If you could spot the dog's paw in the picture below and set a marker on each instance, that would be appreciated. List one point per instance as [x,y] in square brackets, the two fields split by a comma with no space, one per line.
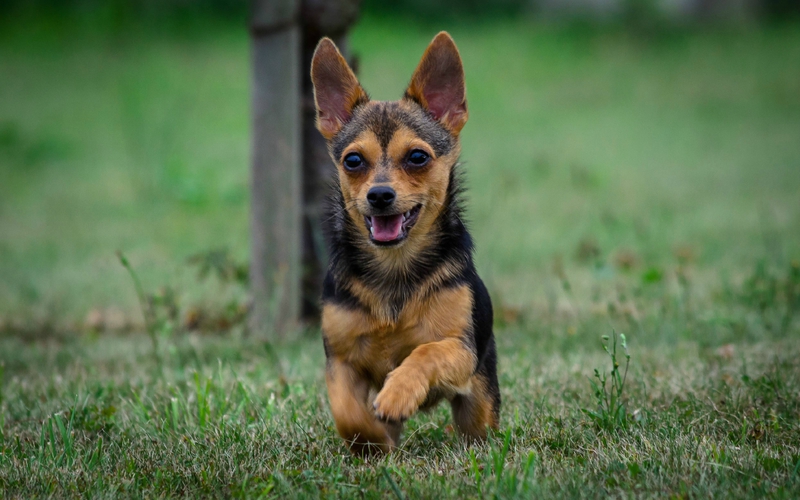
[401,395]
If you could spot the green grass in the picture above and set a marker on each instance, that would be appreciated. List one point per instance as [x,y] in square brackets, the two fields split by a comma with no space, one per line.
[647,186]
[140,143]
[227,417]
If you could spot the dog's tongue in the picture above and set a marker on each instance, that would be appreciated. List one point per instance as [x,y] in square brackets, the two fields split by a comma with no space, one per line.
[386,227]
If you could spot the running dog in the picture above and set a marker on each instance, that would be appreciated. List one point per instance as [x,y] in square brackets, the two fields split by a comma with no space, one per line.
[406,321]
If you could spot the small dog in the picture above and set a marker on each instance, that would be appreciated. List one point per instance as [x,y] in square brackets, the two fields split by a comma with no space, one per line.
[406,321]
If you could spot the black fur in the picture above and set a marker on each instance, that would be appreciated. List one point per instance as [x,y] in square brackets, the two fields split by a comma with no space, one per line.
[348,258]
[384,120]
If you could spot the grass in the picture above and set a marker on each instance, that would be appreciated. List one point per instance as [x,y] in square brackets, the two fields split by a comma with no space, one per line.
[223,417]
[646,186]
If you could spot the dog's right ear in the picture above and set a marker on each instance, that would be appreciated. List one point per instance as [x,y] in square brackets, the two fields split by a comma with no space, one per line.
[336,89]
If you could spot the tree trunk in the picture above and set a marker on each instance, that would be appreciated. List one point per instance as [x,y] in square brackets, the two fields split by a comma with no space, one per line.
[276,196]
[291,169]
[319,18]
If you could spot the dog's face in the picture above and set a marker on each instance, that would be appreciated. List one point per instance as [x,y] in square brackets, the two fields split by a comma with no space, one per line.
[394,158]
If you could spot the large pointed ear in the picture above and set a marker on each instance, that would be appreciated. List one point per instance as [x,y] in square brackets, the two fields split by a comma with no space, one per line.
[336,89]
[438,83]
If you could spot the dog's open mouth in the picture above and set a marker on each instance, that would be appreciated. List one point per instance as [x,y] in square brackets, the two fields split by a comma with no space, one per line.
[391,229]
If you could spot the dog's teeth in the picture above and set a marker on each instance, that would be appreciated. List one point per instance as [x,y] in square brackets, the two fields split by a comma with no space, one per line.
[407,215]
[372,230]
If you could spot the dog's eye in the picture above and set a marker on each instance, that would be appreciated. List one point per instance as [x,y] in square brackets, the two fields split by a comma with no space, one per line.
[353,161]
[418,158]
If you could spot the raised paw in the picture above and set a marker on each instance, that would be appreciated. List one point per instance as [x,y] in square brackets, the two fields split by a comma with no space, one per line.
[401,395]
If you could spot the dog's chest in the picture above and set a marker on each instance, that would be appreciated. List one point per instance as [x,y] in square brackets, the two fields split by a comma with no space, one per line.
[372,344]
[375,343]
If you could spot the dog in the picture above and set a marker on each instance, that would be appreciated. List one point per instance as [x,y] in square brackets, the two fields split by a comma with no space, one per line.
[406,321]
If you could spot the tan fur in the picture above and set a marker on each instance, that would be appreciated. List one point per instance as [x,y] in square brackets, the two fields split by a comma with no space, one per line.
[403,360]
[427,186]
[385,364]
[348,394]
[473,411]
[378,305]
[375,345]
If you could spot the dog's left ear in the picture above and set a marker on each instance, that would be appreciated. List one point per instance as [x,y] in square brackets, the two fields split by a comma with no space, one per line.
[438,83]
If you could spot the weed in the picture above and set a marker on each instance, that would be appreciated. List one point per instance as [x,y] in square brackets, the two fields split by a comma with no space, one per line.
[231,275]
[220,263]
[150,322]
[774,295]
[608,389]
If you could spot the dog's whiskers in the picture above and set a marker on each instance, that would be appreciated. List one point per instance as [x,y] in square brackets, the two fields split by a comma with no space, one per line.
[339,211]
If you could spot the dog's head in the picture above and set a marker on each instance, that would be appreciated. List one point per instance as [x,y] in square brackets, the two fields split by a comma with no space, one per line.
[394,159]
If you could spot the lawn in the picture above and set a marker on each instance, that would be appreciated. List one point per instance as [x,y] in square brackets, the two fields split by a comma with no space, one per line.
[644,185]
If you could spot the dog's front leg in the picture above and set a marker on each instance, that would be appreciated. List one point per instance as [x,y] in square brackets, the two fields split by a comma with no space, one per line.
[348,393]
[448,363]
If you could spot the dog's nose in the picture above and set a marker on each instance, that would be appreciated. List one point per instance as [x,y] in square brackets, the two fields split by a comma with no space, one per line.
[381,196]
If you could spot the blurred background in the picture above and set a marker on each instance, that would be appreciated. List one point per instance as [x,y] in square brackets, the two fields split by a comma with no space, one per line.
[631,160]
